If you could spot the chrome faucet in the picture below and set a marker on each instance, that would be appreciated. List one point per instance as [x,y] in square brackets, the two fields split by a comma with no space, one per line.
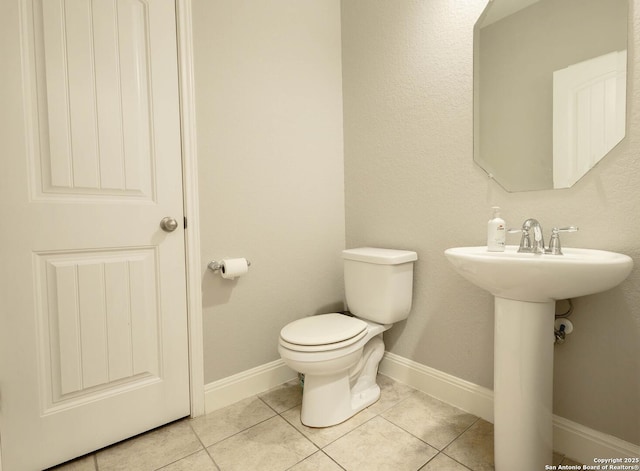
[532,240]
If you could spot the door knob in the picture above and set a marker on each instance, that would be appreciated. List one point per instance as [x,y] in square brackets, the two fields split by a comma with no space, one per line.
[168,224]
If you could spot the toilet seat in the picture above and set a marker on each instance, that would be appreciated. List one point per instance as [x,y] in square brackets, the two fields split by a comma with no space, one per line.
[322,333]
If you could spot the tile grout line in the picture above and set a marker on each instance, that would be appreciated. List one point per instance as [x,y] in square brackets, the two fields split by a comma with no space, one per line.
[239,431]
[279,414]
[331,458]
[461,434]
[452,458]
[203,446]
[276,414]
[426,442]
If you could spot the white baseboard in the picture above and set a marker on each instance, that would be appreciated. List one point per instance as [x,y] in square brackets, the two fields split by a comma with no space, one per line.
[248,383]
[583,444]
[569,438]
[467,396]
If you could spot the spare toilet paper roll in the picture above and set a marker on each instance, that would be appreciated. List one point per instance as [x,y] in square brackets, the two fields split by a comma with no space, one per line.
[233,267]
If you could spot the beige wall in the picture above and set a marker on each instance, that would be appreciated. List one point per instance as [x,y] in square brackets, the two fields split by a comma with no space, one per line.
[269,111]
[410,182]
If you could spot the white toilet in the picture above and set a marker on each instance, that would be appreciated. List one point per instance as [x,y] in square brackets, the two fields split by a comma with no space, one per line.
[339,354]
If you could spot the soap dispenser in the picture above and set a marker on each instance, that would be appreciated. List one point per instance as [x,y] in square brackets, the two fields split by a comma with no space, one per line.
[496,232]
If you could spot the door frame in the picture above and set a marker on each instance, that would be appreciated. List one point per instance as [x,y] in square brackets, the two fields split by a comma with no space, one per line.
[186,85]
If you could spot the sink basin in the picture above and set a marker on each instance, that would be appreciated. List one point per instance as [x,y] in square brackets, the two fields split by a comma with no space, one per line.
[540,278]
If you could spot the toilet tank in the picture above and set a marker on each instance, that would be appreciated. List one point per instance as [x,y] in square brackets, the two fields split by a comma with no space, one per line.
[378,283]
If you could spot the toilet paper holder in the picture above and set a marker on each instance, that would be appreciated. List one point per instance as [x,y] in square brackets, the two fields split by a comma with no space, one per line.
[215,266]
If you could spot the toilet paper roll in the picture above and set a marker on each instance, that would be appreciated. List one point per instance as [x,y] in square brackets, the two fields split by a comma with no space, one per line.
[233,267]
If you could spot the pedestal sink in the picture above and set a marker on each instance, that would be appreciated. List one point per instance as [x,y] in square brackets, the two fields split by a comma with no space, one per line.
[525,287]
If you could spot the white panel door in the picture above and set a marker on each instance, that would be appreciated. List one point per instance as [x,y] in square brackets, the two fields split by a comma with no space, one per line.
[589,108]
[93,326]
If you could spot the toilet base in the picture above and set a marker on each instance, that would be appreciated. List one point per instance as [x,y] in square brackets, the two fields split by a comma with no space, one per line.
[331,399]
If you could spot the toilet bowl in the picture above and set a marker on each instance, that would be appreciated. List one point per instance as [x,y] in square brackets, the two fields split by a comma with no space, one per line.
[339,353]
[335,384]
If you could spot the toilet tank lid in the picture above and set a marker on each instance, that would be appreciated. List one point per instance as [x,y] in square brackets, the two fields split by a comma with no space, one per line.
[380,256]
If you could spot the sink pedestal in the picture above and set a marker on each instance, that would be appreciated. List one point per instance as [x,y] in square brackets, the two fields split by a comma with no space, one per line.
[523,352]
[523,384]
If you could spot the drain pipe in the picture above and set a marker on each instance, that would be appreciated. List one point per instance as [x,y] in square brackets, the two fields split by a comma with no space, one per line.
[563,326]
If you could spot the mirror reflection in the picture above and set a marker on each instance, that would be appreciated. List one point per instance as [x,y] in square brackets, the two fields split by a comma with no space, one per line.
[549,89]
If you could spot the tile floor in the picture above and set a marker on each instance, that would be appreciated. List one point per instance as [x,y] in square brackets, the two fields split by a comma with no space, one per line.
[404,430]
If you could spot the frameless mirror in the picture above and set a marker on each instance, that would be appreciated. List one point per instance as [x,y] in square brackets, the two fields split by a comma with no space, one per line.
[549,89]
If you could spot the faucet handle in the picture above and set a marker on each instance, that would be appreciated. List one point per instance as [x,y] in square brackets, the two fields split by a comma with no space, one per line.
[525,240]
[554,244]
